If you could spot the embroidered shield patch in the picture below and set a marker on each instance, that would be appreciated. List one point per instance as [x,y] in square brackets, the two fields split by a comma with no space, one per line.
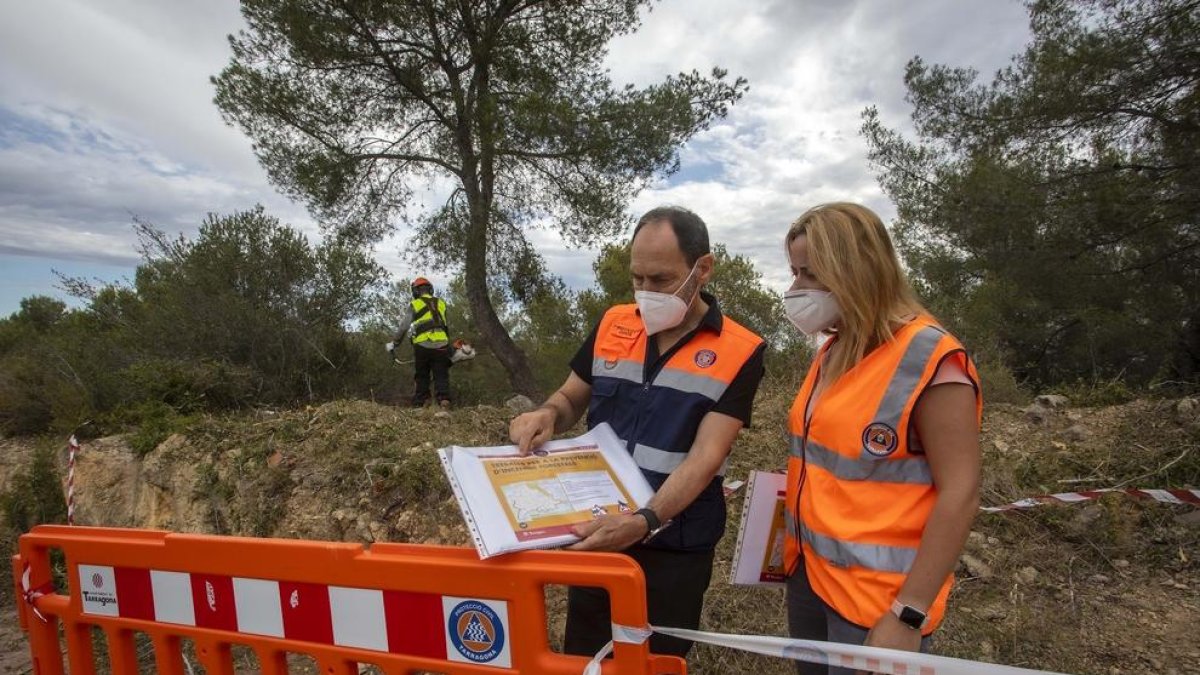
[880,439]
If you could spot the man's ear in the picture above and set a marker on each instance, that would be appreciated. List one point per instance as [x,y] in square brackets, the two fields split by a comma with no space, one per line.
[704,268]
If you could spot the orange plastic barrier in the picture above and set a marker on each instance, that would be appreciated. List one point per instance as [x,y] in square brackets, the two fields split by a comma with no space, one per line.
[401,607]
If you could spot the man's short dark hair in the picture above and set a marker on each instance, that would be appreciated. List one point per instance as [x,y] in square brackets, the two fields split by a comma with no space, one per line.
[691,232]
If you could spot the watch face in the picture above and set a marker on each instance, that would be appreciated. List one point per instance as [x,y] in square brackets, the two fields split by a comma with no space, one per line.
[912,617]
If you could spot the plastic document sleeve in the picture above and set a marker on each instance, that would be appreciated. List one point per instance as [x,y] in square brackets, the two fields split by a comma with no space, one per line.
[758,559]
[514,503]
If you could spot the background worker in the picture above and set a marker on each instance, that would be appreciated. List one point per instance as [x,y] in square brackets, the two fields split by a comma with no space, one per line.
[883,477]
[676,380]
[425,322]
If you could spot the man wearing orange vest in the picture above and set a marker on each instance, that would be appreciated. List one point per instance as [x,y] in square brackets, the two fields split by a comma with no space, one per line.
[676,380]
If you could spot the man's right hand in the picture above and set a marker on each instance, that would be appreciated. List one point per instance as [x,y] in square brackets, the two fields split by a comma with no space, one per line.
[529,430]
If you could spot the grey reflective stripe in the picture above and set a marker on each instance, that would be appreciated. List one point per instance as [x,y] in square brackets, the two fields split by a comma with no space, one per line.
[907,376]
[664,461]
[876,557]
[681,380]
[882,470]
[653,459]
[789,521]
[621,369]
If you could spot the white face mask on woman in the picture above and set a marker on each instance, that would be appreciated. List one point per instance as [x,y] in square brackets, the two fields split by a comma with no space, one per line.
[811,310]
[663,311]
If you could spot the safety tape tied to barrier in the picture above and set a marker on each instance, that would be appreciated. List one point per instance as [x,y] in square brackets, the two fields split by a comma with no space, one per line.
[856,657]
[32,594]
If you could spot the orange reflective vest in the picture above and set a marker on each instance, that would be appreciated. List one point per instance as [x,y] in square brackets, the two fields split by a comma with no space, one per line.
[859,487]
[658,413]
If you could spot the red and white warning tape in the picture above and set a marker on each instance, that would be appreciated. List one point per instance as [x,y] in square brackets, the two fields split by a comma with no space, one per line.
[1165,496]
[72,448]
[857,657]
[32,594]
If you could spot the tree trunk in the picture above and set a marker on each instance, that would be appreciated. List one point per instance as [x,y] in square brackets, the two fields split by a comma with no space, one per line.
[520,376]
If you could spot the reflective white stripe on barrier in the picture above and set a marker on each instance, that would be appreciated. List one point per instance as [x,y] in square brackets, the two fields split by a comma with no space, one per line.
[869,659]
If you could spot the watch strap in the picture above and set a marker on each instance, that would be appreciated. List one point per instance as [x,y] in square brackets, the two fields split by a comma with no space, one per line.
[652,520]
[910,616]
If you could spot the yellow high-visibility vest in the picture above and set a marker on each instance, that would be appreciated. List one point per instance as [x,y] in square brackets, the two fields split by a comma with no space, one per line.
[429,320]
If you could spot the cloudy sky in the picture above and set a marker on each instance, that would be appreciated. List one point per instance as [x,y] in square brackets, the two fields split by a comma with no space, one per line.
[106,112]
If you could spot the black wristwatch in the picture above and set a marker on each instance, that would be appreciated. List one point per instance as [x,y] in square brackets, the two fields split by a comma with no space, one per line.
[910,616]
[652,521]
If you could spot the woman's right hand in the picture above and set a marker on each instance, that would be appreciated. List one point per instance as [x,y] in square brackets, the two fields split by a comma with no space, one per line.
[529,430]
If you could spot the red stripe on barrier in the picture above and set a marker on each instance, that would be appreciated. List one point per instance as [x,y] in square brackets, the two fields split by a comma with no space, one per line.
[135,597]
[415,624]
[306,614]
[212,596]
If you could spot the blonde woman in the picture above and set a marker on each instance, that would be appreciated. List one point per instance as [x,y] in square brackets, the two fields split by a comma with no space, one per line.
[883,476]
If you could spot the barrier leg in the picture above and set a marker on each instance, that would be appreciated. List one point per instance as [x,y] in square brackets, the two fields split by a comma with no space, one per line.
[168,655]
[81,658]
[272,662]
[45,652]
[43,644]
[122,653]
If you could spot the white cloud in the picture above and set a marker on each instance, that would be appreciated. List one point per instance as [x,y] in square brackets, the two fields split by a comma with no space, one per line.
[793,141]
[108,111]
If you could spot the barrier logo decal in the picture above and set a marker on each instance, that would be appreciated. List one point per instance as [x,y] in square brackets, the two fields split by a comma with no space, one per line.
[476,631]
[880,439]
[294,599]
[98,589]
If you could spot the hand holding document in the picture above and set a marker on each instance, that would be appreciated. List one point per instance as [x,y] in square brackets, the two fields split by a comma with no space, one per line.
[513,503]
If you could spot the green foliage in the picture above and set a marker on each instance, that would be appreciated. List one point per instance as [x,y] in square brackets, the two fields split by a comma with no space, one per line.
[153,422]
[1051,215]
[1000,385]
[35,495]
[248,312]
[1096,393]
[353,107]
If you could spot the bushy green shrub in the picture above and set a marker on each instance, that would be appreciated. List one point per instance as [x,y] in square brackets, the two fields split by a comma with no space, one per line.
[190,385]
[35,495]
[1096,392]
[1000,385]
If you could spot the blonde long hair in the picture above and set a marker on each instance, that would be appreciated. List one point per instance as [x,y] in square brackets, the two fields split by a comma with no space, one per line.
[849,251]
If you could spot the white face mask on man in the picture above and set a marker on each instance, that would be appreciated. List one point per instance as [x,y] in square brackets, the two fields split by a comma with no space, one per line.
[811,310]
[664,311]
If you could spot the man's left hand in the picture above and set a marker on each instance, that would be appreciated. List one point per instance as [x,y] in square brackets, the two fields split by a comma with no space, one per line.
[611,533]
[890,633]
